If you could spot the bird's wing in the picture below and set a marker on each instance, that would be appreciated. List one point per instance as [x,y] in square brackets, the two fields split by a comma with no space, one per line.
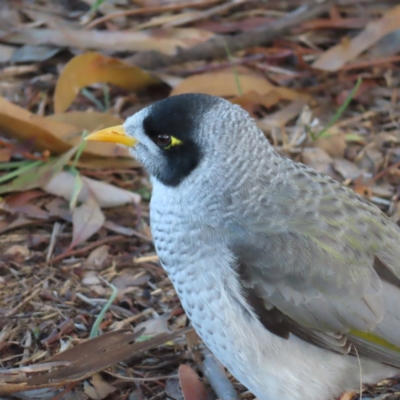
[339,323]
[319,278]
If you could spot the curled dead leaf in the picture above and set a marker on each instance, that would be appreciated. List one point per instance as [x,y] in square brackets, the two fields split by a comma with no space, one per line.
[106,195]
[337,56]
[86,69]
[257,90]
[334,144]
[223,83]
[81,361]
[87,220]
[98,388]
[191,385]
[89,120]
[57,135]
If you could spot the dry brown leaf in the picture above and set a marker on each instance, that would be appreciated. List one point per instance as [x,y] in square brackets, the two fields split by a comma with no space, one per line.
[154,326]
[251,101]
[55,136]
[388,46]
[26,54]
[44,394]
[255,88]
[18,203]
[29,210]
[166,41]
[347,396]
[17,249]
[121,230]
[346,169]
[59,208]
[86,69]
[11,222]
[72,365]
[223,83]
[107,162]
[87,219]
[105,8]
[334,144]
[180,37]
[5,155]
[89,120]
[128,278]
[192,387]
[362,187]
[97,257]
[81,361]
[92,280]
[163,19]
[23,125]
[205,14]
[98,388]
[106,195]
[22,198]
[281,117]
[317,159]
[337,56]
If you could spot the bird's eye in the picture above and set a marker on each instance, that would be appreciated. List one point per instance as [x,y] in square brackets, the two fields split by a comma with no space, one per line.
[163,140]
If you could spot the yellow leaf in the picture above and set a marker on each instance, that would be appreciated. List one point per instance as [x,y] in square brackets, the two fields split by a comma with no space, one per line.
[223,83]
[92,67]
[59,133]
[347,396]
[23,125]
[89,120]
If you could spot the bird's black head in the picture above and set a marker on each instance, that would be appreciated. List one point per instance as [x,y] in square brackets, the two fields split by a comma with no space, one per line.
[173,137]
[173,126]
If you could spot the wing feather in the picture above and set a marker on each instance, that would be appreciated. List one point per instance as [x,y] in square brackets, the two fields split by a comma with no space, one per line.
[319,270]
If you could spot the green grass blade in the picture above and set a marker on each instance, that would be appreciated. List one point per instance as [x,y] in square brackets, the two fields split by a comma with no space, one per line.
[91,97]
[95,328]
[25,167]
[339,112]
[14,164]
[96,5]
[78,185]
[80,150]
[36,173]
[106,97]
[235,72]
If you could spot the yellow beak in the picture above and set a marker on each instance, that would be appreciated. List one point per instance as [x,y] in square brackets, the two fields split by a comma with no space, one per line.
[115,134]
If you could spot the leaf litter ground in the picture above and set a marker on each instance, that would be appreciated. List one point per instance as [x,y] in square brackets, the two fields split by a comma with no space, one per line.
[85,309]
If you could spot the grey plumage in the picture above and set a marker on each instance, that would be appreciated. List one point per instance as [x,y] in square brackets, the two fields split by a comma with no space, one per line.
[283,272]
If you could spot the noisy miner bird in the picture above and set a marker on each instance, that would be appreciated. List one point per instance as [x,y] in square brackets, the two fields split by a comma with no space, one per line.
[290,278]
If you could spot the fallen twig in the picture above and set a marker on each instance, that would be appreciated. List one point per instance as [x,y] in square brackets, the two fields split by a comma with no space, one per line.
[85,249]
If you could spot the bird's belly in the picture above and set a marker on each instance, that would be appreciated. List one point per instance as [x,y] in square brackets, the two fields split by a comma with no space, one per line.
[272,368]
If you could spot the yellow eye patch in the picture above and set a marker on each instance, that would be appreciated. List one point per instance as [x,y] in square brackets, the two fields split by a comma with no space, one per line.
[174,142]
